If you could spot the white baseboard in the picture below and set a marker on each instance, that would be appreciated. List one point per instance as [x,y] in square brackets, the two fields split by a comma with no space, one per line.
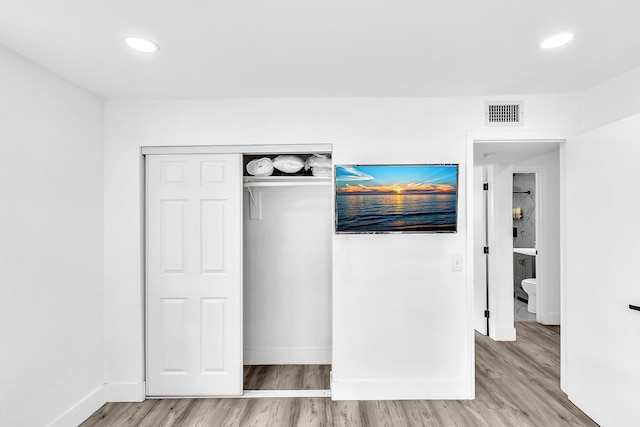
[551,319]
[287,356]
[401,390]
[81,410]
[125,392]
[114,392]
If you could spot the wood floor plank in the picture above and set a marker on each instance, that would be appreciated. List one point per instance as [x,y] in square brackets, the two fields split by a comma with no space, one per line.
[287,377]
[312,412]
[419,413]
[348,413]
[168,412]
[517,384]
[112,411]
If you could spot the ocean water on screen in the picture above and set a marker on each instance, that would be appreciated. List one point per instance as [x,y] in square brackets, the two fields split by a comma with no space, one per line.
[363,213]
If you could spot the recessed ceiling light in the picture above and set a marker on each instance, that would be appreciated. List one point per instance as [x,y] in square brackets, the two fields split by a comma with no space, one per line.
[141,44]
[556,41]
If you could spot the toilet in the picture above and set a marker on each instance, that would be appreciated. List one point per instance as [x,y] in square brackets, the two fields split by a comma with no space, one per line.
[529,286]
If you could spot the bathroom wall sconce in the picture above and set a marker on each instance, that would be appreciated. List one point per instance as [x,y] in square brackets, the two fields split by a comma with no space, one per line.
[517,214]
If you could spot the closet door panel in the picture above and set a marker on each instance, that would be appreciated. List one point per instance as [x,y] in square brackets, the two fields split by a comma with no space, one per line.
[213,326]
[213,228]
[172,235]
[194,288]
[172,335]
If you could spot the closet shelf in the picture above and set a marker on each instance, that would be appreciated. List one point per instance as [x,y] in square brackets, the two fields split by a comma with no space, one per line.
[286,181]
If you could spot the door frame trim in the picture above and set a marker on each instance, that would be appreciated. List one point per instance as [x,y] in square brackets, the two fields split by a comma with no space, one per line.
[238,149]
[518,136]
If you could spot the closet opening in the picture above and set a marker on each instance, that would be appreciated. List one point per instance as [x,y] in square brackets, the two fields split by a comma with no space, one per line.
[287,271]
[238,271]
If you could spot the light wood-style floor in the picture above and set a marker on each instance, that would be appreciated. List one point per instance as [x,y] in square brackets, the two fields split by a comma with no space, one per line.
[287,377]
[517,384]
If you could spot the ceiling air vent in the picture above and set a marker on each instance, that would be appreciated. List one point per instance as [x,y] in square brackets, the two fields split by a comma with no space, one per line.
[503,113]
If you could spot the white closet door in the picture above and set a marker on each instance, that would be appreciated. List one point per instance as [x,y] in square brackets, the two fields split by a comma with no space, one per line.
[194,282]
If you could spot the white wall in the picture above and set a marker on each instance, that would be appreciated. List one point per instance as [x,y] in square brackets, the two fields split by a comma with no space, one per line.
[605,103]
[611,100]
[287,276]
[51,300]
[402,322]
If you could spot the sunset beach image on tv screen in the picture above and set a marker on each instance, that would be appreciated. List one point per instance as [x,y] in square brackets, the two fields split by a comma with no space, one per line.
[396,198]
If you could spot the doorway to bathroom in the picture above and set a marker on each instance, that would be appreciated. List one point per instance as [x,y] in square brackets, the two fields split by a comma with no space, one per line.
[524,215]
[496,157]
[537,231]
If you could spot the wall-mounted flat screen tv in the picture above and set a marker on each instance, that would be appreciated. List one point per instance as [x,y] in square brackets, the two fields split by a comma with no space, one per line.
[396,198]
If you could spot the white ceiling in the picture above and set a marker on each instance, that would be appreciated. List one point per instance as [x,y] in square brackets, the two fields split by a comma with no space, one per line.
[257,48]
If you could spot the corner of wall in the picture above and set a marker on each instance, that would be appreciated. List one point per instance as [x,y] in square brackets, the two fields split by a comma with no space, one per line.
[114,392]
[125,392]
[81,410]
[611,100]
